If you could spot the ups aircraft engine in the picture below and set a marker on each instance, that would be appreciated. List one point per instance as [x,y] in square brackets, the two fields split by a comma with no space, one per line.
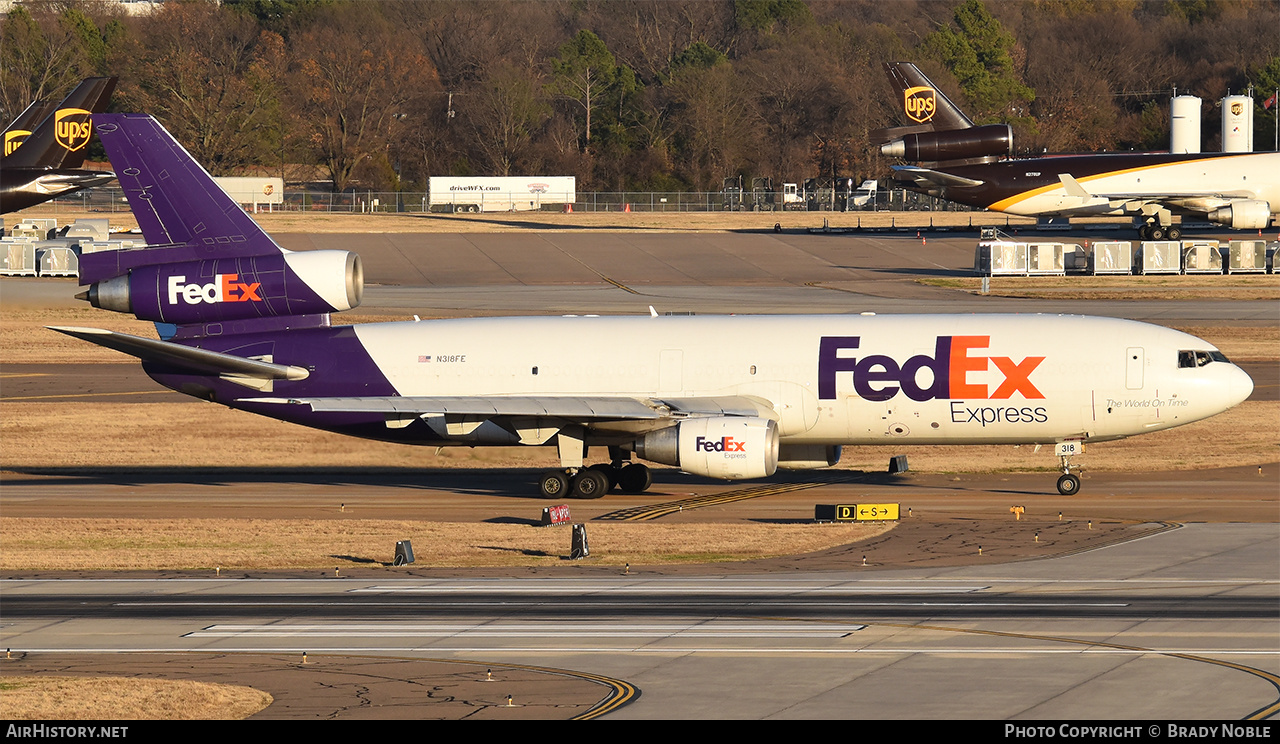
[990,141]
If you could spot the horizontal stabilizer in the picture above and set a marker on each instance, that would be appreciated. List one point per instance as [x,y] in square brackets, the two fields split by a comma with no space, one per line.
[924,177]
[185,357]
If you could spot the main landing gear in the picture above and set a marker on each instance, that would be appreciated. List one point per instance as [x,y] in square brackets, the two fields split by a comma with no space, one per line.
[595,481]
[1155,231]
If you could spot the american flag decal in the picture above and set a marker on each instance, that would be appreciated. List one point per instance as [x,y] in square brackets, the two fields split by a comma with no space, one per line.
[425,358]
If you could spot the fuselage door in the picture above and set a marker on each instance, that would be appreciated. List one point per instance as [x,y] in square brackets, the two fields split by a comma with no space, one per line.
[1135,361]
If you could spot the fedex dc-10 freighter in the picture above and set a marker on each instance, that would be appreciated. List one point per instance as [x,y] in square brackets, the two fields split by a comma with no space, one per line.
[246,324]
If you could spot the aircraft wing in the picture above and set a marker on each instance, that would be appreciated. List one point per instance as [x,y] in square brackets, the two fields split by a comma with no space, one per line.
[554,406]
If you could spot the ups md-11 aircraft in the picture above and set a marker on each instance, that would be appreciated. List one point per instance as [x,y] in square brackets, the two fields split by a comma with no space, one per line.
[968,164]
[246,324]
[44,163]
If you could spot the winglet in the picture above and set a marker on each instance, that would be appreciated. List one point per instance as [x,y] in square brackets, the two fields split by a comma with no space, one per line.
[1073,187]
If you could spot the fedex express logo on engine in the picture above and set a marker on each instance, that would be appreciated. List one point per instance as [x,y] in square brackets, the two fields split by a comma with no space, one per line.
[723,444]
[223,288]
[879,377]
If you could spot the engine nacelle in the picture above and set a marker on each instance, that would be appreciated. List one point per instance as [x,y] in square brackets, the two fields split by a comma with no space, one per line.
[221,289]
[1246,214]
[955,144]
[808,456]
[729,448]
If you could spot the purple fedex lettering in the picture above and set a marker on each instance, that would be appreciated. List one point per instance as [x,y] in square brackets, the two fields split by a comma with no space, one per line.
[871,371]
[878,377]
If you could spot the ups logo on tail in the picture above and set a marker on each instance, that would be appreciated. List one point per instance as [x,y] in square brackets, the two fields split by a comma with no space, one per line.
[13,138]
[920,103]
[71,128]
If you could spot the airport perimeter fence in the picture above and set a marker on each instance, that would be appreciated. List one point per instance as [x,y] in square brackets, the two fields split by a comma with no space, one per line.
[112,199]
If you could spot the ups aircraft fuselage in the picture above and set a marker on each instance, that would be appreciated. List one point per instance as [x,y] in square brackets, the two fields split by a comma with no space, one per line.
[1195,183]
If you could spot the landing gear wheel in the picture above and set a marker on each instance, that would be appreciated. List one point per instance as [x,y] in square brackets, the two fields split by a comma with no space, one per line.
[1175,233]
[553,485]
[590,484]
[1156,232]
[1144,232]
[634,478]
[1068,484]
[610,473]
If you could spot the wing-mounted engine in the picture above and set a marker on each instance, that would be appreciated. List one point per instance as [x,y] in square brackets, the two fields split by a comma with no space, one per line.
[973,144]
[730,448]
[1244,214]
[234,288]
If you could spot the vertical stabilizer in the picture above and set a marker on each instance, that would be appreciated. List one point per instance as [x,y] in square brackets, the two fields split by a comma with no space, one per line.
[175,200]
[921,101]
[18,131]
[61,140]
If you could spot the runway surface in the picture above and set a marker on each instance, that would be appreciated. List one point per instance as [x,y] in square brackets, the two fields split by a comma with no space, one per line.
[1181,625]
[1168,612]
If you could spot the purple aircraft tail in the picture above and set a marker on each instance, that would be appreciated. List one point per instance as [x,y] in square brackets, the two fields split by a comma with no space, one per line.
[209,268]
[175,200]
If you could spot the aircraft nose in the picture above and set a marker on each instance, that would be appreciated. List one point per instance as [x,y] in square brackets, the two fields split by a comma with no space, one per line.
[1239,387]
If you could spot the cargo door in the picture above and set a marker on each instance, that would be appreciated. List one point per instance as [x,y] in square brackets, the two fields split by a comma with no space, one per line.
[671,371]
[1135,361]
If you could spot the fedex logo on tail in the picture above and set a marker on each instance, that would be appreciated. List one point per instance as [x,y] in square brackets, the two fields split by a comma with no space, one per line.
[879,377]
[223,288]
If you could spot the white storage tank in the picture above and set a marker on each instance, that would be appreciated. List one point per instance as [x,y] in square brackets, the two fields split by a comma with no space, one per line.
[1159,257]
[1000,257]
[1246,256]
[17,257]
[1201,257]
[1046,259]
[1237,124]
[1111,257]
[1184,125]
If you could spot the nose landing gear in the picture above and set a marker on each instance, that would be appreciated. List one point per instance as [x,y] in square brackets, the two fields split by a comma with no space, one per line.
[1068,482]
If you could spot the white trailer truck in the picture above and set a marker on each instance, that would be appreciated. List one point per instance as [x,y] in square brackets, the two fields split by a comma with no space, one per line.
[500,193]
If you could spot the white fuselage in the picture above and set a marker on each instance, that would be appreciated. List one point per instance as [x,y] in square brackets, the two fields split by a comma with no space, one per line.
[1198,186]
[844,379]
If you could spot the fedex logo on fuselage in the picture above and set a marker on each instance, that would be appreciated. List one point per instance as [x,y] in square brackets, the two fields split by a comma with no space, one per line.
[724,444]
[223,288]
[879,377]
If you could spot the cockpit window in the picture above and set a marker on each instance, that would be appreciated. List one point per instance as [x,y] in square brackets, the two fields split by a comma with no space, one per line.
[1193,359]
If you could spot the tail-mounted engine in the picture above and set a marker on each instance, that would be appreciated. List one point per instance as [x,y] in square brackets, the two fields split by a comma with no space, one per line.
[236,288]
[729,448]
[990,141]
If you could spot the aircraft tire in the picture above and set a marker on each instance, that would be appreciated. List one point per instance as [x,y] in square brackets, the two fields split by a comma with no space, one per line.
[590,484]
[1156,232]
[634,478]
[1175,233]
[553,485]
[1068,484]
[610,473]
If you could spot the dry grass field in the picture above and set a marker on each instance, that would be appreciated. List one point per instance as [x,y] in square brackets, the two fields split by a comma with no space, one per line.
[54,698]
